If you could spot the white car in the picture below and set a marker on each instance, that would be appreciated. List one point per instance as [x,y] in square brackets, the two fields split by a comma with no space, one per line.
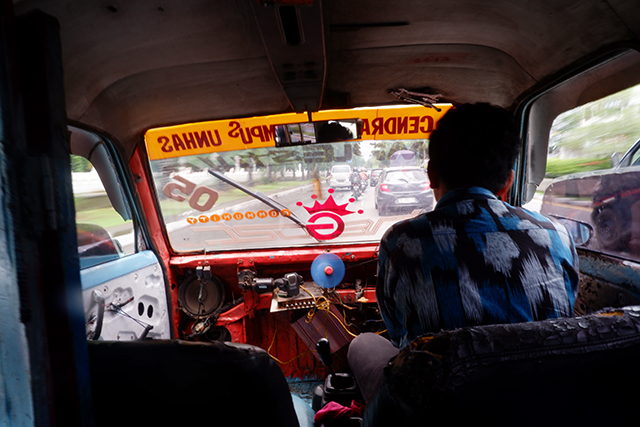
[340,177]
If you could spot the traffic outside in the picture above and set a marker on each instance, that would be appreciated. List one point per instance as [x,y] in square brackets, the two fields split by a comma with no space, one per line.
[589,181]
[308,205]
[324,197]
[299,178]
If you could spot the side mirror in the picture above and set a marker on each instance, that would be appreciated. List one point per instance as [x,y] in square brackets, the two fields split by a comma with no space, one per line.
[580,231]
[615,159]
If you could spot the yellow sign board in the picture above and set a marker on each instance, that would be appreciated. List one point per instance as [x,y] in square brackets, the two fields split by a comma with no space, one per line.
[400,122]
[214,136]
[413,122]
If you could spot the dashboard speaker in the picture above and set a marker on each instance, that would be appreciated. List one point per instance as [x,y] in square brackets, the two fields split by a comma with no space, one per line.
[200,298]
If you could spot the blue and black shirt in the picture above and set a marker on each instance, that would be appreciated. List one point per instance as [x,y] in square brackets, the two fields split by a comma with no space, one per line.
[474,260]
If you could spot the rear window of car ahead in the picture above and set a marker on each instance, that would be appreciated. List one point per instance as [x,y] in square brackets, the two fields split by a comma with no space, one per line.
[406,176]
[341,169]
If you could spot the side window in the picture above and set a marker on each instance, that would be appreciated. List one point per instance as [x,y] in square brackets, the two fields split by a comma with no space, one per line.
[584,185]
[104,233]
[635,157]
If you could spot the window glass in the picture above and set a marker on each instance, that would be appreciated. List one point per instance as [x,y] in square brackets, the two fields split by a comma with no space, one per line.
[587,183]
[273,190]
[341,169]
[635,158]
[102,233]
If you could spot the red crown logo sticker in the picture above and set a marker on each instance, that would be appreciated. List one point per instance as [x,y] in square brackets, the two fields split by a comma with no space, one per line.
[325,222]
[329,205]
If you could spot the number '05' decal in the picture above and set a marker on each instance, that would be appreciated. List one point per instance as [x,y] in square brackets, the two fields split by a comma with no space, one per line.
[191,190]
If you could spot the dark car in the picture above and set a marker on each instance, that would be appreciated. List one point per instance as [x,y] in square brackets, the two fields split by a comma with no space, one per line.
[373,177]
[615,209]
[403,189]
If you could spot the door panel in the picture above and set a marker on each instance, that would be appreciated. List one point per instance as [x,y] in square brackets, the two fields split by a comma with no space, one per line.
[133,293]
[123,283]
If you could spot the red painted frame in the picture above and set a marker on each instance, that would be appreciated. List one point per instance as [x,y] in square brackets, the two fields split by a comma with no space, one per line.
[249,321]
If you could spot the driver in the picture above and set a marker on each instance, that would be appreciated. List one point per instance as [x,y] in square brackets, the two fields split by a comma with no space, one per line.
[475,259]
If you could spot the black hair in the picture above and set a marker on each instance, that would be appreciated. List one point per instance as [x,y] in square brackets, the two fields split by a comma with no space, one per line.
[474,145]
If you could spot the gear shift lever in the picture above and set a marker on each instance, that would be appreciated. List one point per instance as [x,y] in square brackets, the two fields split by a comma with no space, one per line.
[324,351]
[337,381]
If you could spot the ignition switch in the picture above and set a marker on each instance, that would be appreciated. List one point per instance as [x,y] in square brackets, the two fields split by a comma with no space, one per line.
[289,284]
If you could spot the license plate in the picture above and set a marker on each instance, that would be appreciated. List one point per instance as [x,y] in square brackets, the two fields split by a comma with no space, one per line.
[405,200]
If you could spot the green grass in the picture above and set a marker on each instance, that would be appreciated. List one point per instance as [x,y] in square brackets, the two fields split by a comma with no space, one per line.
[107,218]
[98,210]
[559,167]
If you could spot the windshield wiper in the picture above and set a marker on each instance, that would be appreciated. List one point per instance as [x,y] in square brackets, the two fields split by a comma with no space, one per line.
[262,197]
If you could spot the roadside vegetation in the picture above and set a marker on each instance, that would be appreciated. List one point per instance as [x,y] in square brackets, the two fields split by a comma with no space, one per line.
[558,167]
[587,137]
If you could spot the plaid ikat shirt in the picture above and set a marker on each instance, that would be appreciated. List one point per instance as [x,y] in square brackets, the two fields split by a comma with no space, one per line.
[474,260]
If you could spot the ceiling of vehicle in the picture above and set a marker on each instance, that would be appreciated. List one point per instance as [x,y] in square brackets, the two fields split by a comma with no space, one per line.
[132,65]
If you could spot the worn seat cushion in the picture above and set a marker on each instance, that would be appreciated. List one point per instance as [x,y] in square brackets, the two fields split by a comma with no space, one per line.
[570,370]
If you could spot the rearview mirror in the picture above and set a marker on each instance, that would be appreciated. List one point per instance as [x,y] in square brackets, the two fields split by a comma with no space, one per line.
[317,132]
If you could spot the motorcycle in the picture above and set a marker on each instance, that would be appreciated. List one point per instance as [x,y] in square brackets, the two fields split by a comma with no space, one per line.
[357,185]
[363,186]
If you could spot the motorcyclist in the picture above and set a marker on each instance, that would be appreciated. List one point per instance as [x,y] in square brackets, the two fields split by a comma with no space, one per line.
[356,183]
[363,174]
[355,178]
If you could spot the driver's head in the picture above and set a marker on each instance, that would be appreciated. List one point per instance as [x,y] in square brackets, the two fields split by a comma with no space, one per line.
[474,145]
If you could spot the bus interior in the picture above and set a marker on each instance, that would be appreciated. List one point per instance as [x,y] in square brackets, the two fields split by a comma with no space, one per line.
[176,248]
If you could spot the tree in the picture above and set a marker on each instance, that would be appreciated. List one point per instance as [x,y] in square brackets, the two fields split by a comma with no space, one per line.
[599,128]
[80,164]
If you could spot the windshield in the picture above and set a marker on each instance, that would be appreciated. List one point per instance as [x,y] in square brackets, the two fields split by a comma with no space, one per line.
[287,195]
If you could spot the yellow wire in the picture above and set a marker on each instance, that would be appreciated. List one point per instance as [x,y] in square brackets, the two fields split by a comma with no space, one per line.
[273,340]
[345,316]
[320,303]
[324,304]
